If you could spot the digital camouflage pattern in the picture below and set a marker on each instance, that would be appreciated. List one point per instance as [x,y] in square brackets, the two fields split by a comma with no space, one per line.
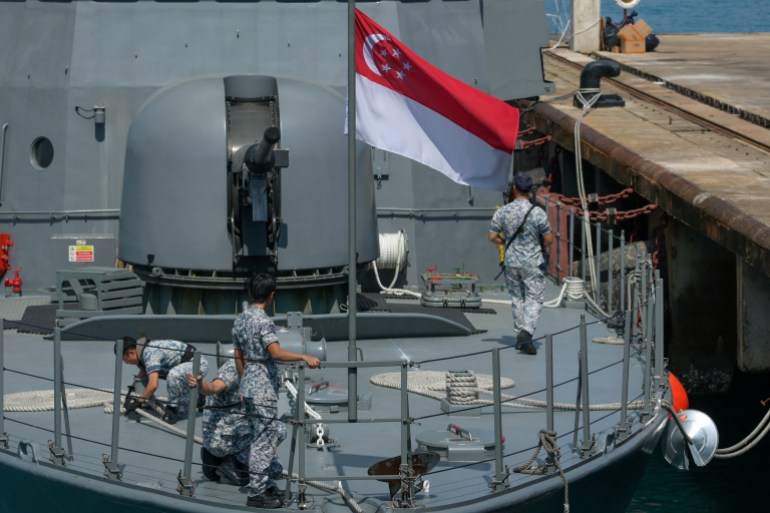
[253,331]
[523,258]
[268,432]
[164,357]
[226,429]
[525,250]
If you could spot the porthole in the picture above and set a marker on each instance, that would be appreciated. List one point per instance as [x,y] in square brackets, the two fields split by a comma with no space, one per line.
[41,153]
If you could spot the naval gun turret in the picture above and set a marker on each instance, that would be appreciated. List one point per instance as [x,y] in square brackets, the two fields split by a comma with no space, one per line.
[210,196]
[257,193]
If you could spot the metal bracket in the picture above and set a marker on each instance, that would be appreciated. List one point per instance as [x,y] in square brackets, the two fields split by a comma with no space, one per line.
[58,455]
[623,430]
[186,486]
[302,503]
[4,441]
[588,448]
[499,485]
[112,471]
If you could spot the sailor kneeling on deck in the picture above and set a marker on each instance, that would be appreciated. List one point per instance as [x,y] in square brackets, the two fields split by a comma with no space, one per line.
[162,359]
[226,430]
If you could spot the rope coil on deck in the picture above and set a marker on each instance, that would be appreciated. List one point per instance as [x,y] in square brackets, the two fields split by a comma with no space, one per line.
[462,387]
[433,384]
[43,400]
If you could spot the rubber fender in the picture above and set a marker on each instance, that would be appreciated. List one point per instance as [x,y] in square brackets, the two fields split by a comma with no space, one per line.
[679,398]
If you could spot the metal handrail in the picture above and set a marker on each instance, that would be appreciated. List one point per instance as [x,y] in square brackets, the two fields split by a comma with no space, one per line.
[2,158]
[651,338]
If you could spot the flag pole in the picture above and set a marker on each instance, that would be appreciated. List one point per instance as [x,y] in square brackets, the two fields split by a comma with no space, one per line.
[352,260]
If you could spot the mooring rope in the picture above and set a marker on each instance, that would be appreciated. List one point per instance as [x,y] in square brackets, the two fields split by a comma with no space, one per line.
[549,443]
[748,443]
[43,400]
[433,384]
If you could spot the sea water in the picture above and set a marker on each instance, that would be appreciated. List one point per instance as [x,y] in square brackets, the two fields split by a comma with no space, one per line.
[682,16]
[742,484]
[737,485]
[697,16]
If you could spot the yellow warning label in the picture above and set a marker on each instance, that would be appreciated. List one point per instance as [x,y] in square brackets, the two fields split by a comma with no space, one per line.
[81,253]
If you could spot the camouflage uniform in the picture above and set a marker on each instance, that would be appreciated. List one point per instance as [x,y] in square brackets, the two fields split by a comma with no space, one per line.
[523,260]
[164,357]
[252,332]
[226,430]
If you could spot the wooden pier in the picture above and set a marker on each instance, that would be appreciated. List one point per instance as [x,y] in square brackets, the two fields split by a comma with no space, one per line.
[694,138]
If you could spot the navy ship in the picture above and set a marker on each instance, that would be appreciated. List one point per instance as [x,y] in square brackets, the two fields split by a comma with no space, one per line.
[154,155]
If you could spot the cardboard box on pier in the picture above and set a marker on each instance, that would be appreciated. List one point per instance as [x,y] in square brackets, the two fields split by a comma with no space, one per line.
[632,37]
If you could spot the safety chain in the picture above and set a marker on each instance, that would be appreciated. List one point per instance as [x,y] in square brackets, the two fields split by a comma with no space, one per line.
[522,144]
[609,215]
[613,215]
[594,198]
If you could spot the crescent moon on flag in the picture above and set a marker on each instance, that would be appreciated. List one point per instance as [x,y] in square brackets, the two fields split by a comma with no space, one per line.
[369,42]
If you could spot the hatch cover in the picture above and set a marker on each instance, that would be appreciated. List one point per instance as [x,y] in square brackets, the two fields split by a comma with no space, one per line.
[458,444]
[326,394]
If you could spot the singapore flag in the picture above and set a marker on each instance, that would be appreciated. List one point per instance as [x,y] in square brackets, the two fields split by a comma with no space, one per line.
[407,106]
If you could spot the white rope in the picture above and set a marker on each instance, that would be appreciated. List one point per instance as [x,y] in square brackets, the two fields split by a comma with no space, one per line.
[587,106]
[43,400]
[747,443]
[393,252]
[461,387]
[308,409]
[433,384]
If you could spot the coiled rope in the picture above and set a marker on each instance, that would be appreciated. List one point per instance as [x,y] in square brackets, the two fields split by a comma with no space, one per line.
[462,387]
[43,400]
[393,251]
[434,384]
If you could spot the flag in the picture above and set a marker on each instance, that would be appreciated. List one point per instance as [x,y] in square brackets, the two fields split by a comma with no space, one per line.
[407,106]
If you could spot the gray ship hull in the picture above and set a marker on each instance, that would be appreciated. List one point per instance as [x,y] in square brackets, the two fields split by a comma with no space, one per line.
[606,485]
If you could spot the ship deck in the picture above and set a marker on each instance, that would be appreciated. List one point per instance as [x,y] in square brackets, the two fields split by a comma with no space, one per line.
[152,457]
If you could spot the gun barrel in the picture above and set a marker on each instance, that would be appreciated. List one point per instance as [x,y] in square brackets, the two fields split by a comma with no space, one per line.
[258,153]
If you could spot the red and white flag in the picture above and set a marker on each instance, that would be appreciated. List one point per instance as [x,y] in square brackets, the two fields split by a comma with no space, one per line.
[407,106]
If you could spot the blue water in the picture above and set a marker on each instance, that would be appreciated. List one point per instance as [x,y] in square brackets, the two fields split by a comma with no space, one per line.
[695,16]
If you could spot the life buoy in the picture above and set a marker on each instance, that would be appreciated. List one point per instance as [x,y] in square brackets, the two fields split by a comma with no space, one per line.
[629,4]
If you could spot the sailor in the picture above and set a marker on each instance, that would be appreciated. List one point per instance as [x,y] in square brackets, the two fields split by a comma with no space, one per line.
[226,431]
[162,359]
[256,351]
[524,230]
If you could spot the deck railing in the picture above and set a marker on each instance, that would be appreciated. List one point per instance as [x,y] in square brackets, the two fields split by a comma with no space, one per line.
[645,337]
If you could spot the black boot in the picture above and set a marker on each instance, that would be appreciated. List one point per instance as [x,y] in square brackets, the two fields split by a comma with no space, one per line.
[522,338]
[210,465]
[232,470]
[264,501]
[171,415]
[524,343]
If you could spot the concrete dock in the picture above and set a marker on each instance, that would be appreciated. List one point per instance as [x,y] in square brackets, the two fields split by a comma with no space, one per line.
[693,138]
